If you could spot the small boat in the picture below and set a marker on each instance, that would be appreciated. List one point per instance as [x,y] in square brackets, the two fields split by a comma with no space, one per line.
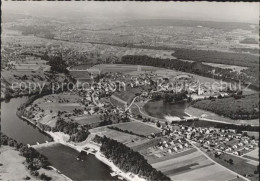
[77,158]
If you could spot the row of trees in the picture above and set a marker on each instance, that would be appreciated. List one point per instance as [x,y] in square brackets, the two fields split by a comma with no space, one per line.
[128,160]
[34,160]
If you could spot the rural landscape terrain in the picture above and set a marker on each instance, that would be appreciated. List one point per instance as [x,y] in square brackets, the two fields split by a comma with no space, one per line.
[107,98]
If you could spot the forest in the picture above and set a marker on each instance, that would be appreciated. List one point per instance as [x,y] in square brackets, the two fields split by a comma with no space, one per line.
[246,107]
[195,67]
[77,133]
[128,160]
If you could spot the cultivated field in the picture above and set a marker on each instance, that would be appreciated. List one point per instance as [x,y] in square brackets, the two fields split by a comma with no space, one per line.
[46,109]
[193,165]
[121,137]
[88,119]
[138,128]
[253,155]
[240,165]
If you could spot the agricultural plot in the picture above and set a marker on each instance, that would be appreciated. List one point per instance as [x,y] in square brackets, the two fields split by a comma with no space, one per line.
[92,120]
[47,108]
[144,144]
[239,165]
[253,155]
[121,137]
[193,165]
[138,128]
[80,74]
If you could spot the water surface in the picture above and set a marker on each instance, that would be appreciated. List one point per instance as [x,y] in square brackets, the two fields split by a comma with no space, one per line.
[160,109]
[16,128]
[64,159]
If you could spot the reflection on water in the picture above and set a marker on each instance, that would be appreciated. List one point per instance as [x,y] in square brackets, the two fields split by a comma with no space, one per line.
[15,128]
[160,109]
[65,160]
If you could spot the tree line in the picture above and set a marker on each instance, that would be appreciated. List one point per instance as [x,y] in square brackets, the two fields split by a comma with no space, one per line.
[196,67]
[34,160]
[247,107]
[128,160]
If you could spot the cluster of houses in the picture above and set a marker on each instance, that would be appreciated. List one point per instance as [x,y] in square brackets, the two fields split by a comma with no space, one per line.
[215,139]
[173,144]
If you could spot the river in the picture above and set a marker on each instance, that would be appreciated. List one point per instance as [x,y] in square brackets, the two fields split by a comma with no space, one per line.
[15,128]
[61,157]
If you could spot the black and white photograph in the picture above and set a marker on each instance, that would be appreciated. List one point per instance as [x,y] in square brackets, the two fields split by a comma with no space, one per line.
[129,90]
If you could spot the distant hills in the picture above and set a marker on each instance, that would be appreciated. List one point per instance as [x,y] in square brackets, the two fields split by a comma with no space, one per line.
[191,23]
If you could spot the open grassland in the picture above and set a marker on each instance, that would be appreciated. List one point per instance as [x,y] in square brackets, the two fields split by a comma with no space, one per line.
[160,157]
[138,128]
[87,119]
[12,167]
[190,164]
[144,144]
[121,137]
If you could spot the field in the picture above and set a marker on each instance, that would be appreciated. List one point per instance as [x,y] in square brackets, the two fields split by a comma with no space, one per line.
[253,155]
[121,137]
[190,164]
[92,120]
[45,110]
[138,128]
[240,165]
[12,167]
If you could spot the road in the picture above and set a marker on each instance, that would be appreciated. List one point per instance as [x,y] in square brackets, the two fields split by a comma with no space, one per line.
[216,162]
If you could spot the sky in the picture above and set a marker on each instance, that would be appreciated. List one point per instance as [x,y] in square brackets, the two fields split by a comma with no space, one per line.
[214,11]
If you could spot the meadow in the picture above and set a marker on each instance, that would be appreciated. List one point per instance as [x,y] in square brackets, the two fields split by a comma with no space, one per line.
[191,164]
[138,128]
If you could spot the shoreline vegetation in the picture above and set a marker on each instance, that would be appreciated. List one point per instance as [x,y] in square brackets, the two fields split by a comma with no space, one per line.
[127,159]
[34,160]
[92,148]
[58,137]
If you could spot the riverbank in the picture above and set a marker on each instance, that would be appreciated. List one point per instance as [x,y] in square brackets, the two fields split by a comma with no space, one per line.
[12,167]
[62,138]
[59,137]
[209,116]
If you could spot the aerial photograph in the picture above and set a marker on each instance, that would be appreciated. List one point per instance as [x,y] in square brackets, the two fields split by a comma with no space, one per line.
[129,90]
